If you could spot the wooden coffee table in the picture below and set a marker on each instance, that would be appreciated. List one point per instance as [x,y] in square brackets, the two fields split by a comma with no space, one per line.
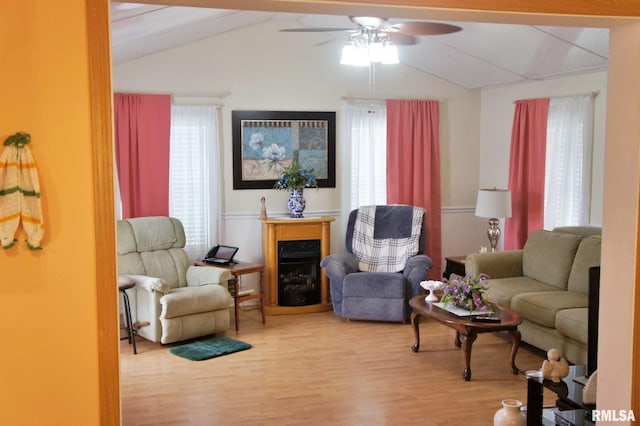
[466,328]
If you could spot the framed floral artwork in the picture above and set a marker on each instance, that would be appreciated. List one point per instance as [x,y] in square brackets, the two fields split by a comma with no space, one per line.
[265,143]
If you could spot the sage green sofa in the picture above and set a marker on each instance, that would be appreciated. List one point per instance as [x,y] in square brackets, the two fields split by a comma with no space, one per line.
[547,284]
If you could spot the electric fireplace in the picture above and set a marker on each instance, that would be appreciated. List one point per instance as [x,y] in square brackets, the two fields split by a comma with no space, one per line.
[298,272]
[294,283]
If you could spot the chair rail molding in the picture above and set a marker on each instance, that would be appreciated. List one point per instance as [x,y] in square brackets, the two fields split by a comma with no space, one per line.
[334,213]
[256,215]
[458,209]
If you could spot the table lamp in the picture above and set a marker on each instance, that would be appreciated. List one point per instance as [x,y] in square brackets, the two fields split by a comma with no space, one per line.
[493,204]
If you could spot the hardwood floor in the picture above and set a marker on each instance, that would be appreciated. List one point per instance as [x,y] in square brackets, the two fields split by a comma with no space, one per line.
[320,369]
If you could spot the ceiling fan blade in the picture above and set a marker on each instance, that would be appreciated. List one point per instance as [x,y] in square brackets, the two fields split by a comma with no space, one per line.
[313,30]
[330,40]
[418,28]
[401,39]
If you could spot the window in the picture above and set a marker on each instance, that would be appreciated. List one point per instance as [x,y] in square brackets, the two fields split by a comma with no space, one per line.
[567,198]
[194,190]
[365,129]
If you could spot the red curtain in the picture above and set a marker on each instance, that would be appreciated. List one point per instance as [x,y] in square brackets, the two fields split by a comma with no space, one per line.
[413,166]
[526,171]
[142,132]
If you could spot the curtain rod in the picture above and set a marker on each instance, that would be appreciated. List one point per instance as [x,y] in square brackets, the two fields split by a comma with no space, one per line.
[378,100]
[195,100]
[593,94]
[220,95]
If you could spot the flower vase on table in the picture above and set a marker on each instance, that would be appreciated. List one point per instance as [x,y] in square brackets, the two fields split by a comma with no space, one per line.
[467,293]
[296,203]
[294,178]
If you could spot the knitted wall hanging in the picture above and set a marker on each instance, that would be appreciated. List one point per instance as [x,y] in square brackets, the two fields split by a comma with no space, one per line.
[19,193]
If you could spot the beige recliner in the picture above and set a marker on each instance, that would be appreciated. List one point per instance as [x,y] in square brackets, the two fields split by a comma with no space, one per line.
[178,300]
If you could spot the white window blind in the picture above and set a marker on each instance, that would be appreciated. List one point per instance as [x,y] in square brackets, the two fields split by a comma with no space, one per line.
[365,129]
[567,198]
[194,175]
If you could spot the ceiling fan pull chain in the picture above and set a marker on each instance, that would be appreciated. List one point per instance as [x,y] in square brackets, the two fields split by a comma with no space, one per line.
[372,80]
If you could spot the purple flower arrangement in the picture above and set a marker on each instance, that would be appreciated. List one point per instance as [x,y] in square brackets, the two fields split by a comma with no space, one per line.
[467,292]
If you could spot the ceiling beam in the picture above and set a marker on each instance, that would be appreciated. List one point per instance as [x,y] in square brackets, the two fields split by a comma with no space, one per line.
[543,12]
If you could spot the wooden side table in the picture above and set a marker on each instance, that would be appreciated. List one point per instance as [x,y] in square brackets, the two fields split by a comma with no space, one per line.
[239,296]
[455,265]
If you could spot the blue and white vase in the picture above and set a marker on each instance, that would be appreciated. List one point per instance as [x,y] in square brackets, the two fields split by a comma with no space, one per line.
[296,203]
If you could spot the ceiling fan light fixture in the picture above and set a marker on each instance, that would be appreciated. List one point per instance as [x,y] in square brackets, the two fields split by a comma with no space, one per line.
[374,40]
[354,55]
[376,51]
[365,48]
[390,55]
[348,53]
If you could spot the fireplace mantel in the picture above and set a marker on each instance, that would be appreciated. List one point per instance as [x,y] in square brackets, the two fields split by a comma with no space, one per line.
[275,230]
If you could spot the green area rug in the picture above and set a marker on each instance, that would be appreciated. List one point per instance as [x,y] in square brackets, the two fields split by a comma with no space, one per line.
[206,349]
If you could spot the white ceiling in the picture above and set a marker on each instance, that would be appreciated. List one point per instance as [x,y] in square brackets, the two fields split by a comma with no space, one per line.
[481,55]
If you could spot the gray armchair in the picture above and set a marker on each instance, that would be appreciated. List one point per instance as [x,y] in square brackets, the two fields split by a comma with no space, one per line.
[383,265]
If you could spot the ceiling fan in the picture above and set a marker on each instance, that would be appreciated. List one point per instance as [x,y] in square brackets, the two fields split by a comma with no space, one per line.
[375,29]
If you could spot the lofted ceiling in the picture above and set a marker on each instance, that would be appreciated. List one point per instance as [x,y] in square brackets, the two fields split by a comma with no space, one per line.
[481,55]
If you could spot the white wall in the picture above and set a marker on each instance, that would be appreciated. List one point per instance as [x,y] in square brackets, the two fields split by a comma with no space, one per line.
[497,109]
[260,68]
[264,69]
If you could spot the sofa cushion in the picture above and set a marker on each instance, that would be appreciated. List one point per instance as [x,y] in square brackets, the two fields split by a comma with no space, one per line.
[130,263]
[585,231]
[150,284]
[548,256]
[574,324]
[542,307]
[588,255]
[203,275]
[385,285]
[163,264]
[194,300]
[502,290]
[153,233]
[126,240]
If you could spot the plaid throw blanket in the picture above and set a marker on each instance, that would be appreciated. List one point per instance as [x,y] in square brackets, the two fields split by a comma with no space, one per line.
[385,237]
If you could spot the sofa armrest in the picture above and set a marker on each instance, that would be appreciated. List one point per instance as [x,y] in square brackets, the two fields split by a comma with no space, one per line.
[340,264]
[150,284]
[202,275]
[417,268]
[501,264]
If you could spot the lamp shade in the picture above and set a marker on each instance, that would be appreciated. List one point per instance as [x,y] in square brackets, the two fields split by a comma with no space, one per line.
[493,203]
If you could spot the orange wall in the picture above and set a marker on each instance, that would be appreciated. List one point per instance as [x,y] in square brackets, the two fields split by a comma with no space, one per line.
[48,321]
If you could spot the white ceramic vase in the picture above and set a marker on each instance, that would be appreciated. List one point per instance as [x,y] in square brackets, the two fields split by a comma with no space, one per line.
[510,414]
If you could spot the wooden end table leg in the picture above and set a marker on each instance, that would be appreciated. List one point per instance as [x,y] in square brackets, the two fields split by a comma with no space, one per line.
[236,305]
[235,312]
[468,340]
[458,342]
[262,297]
[415,321]
[515,344]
